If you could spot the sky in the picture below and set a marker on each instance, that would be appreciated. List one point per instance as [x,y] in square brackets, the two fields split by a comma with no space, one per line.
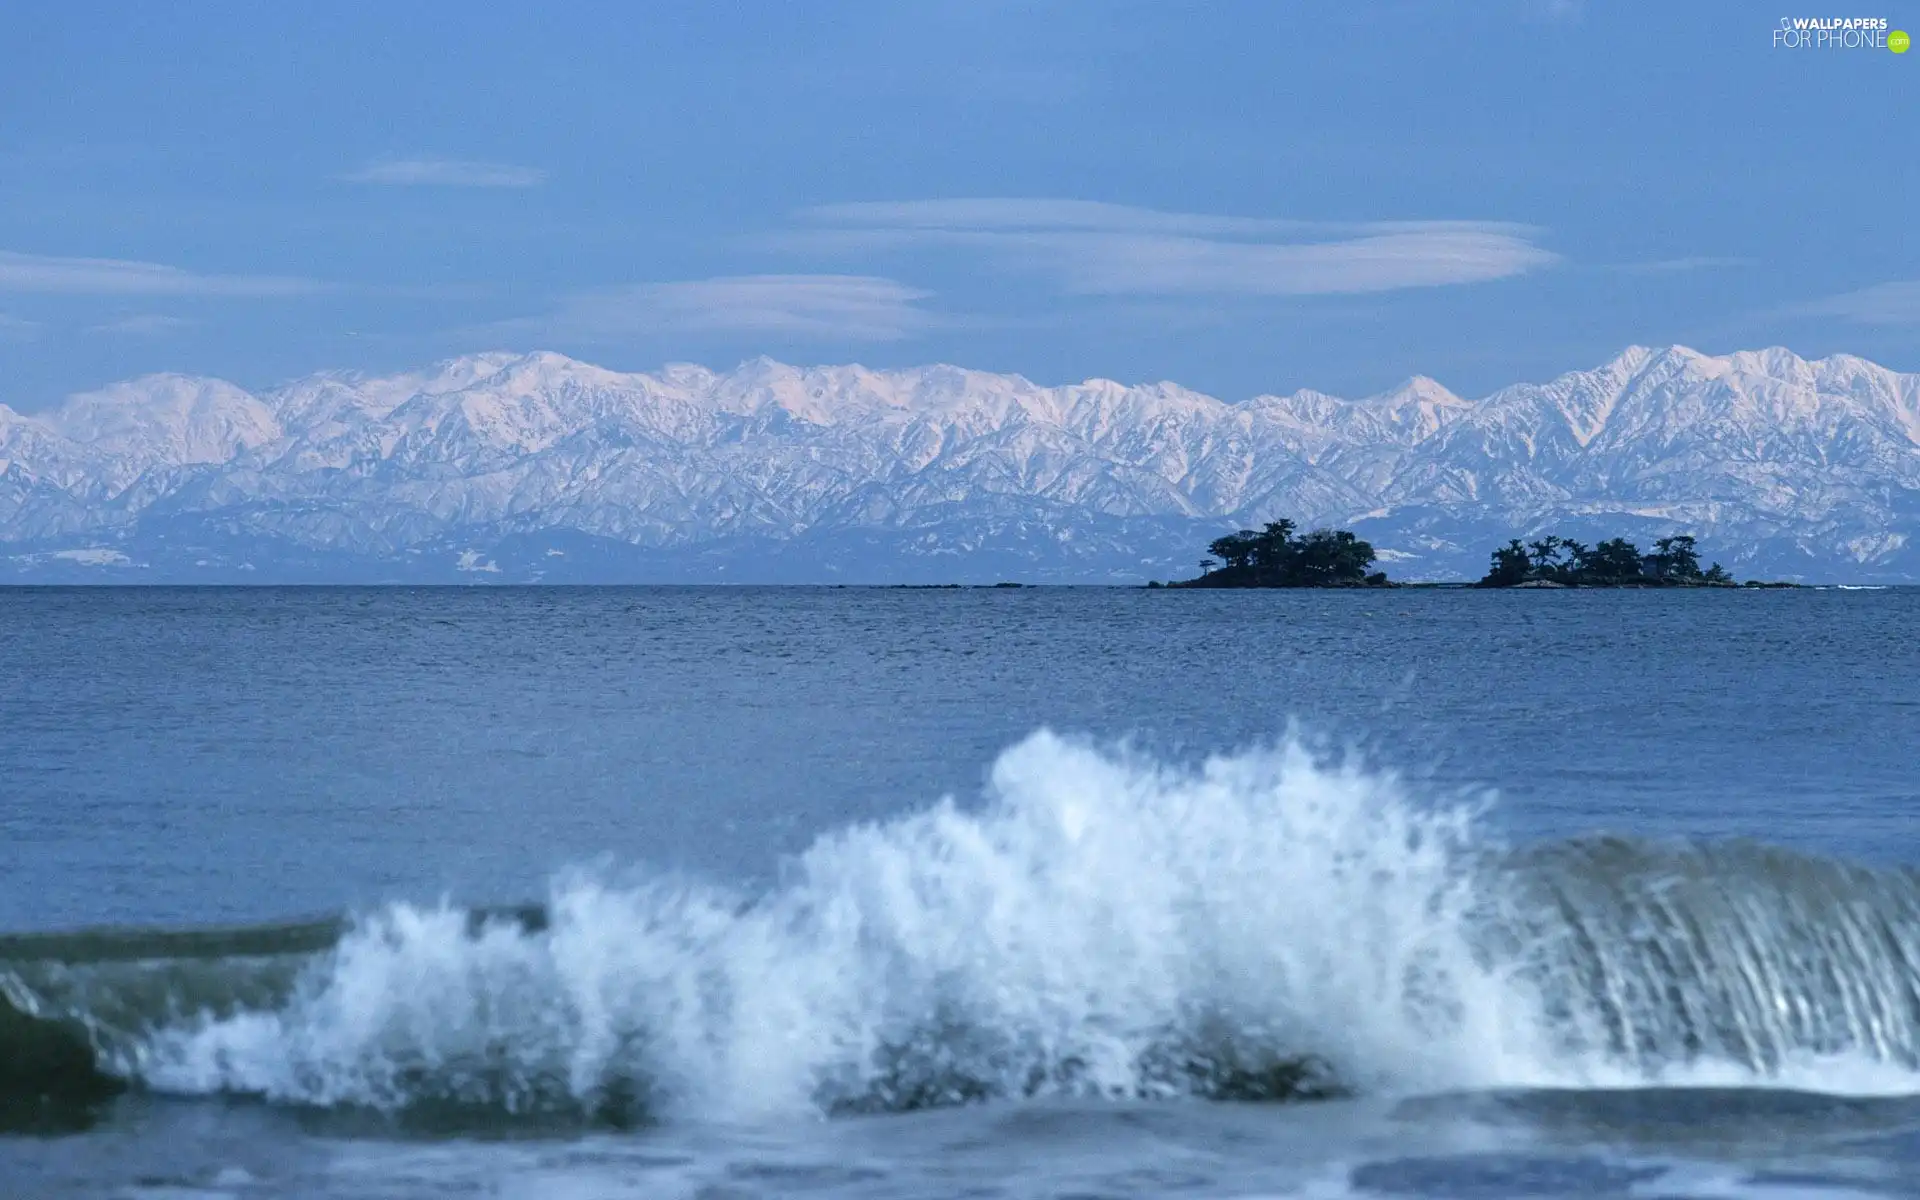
[1241,197]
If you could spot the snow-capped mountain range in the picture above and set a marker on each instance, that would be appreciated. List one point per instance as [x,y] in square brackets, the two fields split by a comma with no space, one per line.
[522,467]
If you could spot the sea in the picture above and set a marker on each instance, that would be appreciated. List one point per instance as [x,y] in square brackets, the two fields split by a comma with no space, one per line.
[581,894]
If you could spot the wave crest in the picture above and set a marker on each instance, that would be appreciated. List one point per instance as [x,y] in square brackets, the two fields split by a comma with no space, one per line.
[1265,925]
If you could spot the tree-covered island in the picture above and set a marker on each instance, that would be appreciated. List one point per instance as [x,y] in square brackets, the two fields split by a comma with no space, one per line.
[1562,562]
[1272,556]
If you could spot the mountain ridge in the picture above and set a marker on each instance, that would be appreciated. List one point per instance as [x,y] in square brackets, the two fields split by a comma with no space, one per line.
[538,466]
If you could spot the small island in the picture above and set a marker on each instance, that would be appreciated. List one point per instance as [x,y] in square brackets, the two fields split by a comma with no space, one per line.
[1272,557]
[1562,562]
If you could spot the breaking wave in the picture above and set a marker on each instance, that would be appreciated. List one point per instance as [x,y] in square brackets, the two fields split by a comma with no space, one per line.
[1265,925]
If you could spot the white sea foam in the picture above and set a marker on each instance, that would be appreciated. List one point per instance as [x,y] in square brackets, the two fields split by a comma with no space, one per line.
[1102,924]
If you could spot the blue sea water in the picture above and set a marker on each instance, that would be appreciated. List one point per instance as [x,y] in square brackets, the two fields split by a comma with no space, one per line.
[966,892]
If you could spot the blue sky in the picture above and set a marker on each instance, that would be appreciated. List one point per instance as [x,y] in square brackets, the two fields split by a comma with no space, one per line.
[1240,197]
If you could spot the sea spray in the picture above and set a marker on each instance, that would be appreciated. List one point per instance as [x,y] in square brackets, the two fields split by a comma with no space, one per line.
[1270,924]
[1103,924]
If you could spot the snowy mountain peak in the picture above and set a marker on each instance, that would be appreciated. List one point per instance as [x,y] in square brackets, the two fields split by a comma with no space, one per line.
[532,464]
[1632,360]
[166,419]
[1420,389]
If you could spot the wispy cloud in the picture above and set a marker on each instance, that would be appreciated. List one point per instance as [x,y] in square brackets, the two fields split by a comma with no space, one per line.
[143,325]
[18,329]
[1561,12]
[1035,215]
[124,277]
[1110,249]
[855,307]
[1691,262]
[446,172]
[1895,303]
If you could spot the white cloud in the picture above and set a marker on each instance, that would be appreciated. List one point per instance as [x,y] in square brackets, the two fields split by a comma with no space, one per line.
[446,172]
[1561,12]
[143,325]
[1037,214]
[1111,249]
[1379,263]
[1691,262]
[1896,303]
[856,307]
[1034,215]
[18,329]
[124,277]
